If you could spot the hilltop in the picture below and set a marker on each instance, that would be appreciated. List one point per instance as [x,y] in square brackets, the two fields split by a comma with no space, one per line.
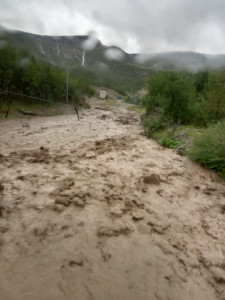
[106,65]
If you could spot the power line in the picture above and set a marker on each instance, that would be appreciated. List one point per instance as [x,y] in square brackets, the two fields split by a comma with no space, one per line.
[31,97]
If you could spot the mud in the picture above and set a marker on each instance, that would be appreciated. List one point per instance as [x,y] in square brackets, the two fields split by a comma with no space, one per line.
[91,209]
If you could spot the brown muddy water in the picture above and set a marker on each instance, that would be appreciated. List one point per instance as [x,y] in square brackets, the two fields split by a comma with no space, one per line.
[92,209]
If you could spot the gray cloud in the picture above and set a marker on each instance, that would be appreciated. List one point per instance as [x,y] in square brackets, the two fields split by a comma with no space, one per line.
[134,25]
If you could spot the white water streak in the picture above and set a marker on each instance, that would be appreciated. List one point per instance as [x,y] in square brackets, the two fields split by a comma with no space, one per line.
[42,50]
[83,59]
[57,49]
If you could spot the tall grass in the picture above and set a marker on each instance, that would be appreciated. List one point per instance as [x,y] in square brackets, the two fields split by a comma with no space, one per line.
[209,148]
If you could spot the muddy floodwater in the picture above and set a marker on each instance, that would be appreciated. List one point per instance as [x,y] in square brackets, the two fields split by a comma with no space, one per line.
[92,209]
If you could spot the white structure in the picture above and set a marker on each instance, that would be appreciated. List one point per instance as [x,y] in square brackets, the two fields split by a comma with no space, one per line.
[103,95]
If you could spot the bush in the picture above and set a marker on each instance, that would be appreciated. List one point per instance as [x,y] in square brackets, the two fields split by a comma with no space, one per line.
[171,92]
[169,141]
[152,125]
[209,148]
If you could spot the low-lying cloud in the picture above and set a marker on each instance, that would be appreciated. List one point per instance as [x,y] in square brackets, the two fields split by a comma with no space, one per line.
[145,26]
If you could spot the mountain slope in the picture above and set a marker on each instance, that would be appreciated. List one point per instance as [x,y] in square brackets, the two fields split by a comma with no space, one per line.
[103,64]
[188,61]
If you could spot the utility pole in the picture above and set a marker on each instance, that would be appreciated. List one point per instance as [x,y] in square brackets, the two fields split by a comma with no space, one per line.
[67,78]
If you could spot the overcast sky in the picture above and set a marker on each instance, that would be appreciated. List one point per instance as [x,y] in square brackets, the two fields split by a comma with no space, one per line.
[143,26]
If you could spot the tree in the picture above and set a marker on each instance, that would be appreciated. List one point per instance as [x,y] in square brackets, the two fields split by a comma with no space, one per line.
[216,96]
[171,92]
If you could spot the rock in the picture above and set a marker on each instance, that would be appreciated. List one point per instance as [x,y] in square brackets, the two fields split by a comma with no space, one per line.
[79,202]
[116,212]
[41,230]
[157,227]
[114,231]
[58,207]
[1,187]
[90,155]
[222,209]
[152,179]
[32,206]
[3,229]
[62,201]
[76,261]
[137,216]
[218,274]
[67,193]
[65,227]
[3,212]
[1,241]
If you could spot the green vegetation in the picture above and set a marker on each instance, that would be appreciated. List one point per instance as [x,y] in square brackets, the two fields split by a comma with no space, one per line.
[209,147]
[138,109]
[22,74]
[153,124]
[177,102]
[37,107]
[168,140]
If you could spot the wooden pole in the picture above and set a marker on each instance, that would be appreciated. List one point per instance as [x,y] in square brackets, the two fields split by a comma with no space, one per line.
[10,101]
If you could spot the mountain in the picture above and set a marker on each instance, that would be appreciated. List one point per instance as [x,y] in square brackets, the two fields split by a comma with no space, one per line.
[104,64]
[180,61]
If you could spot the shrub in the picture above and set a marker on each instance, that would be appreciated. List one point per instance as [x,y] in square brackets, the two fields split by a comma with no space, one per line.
[153,124]
[169,141]
[209,148]
[172,92]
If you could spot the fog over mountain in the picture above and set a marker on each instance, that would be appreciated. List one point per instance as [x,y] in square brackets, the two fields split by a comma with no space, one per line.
[142,26]
[89,52]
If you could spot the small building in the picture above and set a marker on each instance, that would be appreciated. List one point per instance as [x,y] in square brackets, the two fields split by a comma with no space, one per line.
[103,95]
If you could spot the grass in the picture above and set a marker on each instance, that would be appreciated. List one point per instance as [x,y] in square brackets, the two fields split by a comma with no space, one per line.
[209,148]
[40,108]
[138,109]
[110,102]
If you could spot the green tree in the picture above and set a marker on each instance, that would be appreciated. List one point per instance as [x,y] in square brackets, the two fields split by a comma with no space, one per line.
[216,96]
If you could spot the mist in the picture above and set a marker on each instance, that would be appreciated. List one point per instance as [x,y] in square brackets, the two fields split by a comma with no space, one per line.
[137,26]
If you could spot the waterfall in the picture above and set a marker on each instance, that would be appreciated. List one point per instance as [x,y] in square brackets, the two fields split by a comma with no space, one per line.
[83,59]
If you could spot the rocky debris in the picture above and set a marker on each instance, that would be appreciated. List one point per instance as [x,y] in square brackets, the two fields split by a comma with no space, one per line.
[2,158]
[41,230]
[175,173]
[112,144]
[76,261]
[218,274]
[128,119]
[222,208]
[137,216]
[3,211]
[58,207]
[31,156]
[1,241]
[4,228]
[1,187]
[73,261]
[26,125]
[104,117]
[90,155]
[116,212]
[114,231]
[79,202]
[152,179]
[158,227]
[66,194]
[102,108]
[62,201]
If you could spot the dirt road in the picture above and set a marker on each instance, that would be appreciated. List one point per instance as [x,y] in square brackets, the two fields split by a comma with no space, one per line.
[91,209]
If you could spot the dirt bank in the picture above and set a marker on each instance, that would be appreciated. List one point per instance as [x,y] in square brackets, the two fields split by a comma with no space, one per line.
[94,210]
